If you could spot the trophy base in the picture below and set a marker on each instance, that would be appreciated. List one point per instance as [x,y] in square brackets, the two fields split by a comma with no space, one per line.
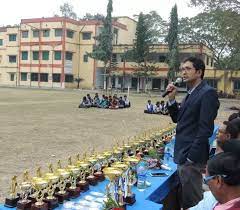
[100,176]
[83,185]
[42,206]
[73,192]
[62,196]
[92,180]
[24,205]
[120,208]
[11,202]
[52,202]
[130,200]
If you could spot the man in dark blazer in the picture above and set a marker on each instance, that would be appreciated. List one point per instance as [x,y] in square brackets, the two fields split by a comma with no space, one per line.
[195,123]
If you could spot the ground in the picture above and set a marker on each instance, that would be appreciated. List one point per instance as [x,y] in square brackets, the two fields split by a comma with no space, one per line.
[38,127]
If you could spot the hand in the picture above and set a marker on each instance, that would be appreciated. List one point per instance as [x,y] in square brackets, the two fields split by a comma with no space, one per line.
[173,91]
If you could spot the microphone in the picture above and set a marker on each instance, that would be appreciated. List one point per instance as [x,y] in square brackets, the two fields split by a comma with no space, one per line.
[179,80]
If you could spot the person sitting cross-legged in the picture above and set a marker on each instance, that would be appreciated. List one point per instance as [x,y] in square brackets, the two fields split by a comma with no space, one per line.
[90,99]
[149,107]
[127,102]
[114,103]
[121,102]
[96,100]
[157,108]
[85,103]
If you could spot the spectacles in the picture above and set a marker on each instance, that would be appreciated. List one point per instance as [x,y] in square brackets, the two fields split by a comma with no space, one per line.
[186,69]
[206,179]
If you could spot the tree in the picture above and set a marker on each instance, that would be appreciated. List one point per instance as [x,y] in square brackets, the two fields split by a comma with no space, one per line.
[233,5]
[97,16]
[103,50]
[141,50]
[172,40]
[67,11]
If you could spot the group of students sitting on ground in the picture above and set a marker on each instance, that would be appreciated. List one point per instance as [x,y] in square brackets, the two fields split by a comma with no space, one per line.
[158,108]
[223,169]
[105,102]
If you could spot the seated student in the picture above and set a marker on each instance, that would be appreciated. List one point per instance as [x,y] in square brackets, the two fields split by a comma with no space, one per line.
[126,101]
[104,103]
[96,100]
[114,103]
[223,179]
[157,108]
[85,103]
[164,109]
[149,107]
[90,99]
[121,103]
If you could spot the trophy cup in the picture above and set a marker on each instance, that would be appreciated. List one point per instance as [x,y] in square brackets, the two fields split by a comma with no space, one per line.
[52,179]
[40,186]
[24,203]
[64,175]
[99,174]
[12,199]
[73,190]
[91,178]
[84,167]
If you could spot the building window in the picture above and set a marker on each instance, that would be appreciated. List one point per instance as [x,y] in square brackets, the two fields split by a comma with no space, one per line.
[68,78]
[70,34]
[236,85]
[207,61]
[212,83]
[24,34]
[212,62]
[86,35]
[12,76]
[162,58]
[0,58]
[58,32]
[69,56]
[12,58]
[35,55]
[85,58]
[46,33]
[43,77]
[24,55]
[34,77]
[23,76]
[1,42]
[57,55]
[36,33]
[45,55]
[12,37]
[56,77]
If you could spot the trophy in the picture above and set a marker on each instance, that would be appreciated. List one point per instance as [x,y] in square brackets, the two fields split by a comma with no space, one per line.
[84,167]
[91,178]
[52,179]
[40,186]
[64,175]
[73,190]
[24,203]
[99,174]
[12,199]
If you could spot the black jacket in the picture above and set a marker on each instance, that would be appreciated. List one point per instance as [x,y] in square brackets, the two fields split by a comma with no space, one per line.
[195,124]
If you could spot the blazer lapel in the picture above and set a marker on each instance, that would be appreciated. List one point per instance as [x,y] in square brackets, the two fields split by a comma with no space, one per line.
[191,98]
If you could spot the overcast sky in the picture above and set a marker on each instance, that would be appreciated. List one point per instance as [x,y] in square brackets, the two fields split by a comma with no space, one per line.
[12,11]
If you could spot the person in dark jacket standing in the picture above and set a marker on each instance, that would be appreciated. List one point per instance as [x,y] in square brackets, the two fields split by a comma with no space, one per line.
[195,123]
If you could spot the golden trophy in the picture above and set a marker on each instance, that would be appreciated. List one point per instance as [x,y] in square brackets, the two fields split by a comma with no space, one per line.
[12,199]
[99,174]
[84,169]
[64,175]
[52,179]
[24,203]
[40,185]
[91,178]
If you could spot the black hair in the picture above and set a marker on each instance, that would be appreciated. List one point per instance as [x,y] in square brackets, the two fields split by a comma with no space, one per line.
[233,116]
[233,128]
[198,64]
[228,164]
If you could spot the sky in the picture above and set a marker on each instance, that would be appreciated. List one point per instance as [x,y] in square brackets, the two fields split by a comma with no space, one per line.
[12,11]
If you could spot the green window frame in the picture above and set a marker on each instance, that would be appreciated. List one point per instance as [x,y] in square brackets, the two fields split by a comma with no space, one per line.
[35,55]
[1,42]
[45,55]
[23,76]
[69,78]
[24,34]
[56,77]
[12,76]
[58,32]
[46,33]
[35,33]
[12,37]
[57,55]
[43,77]
[86,35]
[85,58]
[68,56]
[70,34]
[24,55]
[12,58]
[34,77]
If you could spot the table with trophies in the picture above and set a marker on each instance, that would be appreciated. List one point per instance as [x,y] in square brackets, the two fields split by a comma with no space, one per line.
[115,179]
